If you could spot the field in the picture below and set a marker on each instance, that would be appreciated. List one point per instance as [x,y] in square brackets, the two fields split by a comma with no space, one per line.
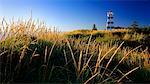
[31,53]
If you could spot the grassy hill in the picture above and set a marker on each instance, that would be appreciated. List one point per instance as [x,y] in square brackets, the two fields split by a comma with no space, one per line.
[30,53]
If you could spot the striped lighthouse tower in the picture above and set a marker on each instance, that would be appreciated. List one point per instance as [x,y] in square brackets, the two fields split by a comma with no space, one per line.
[109,24]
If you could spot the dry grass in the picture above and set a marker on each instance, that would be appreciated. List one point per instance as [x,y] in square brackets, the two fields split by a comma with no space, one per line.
[85,57]
[88,32]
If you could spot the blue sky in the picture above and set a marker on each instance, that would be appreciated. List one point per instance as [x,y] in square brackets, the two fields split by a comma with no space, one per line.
[78,14]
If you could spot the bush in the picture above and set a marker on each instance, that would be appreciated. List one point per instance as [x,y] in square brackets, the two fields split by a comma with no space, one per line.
[141,76]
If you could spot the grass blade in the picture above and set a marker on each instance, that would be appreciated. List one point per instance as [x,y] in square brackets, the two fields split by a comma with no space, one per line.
[127,74]
[91,78]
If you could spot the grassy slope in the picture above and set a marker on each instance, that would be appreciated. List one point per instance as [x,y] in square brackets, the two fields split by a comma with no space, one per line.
[31,53]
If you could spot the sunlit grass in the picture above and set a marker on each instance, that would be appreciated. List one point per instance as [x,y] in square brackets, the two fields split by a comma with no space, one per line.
[32,52]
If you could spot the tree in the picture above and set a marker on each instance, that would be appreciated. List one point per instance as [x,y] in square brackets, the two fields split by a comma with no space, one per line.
[94,27]
[134,25]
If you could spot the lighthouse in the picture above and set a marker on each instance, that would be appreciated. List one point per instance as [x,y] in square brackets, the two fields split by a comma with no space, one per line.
[109,23]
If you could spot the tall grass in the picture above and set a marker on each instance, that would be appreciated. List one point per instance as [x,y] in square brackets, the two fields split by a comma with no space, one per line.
[30,52]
